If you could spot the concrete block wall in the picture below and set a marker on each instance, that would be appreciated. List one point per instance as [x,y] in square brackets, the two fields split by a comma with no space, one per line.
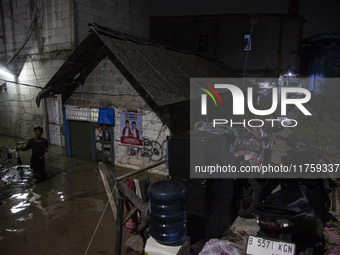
[291,53]
[57,25]
[131,17]
[61,24]
[265,53]
[264,45]
[19,112]
[154,132]
[107,87]
[275,39]
[48,46]
[54,36]
[52,29]
[275,43]
[185,32]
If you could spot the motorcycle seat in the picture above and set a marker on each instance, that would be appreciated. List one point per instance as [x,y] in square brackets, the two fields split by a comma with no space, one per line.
[291,199]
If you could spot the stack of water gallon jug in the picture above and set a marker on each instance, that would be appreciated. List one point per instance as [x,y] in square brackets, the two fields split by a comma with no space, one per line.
[168,226]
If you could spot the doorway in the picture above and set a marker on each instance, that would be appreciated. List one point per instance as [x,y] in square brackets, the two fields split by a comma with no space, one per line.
[53,121]
[80,133]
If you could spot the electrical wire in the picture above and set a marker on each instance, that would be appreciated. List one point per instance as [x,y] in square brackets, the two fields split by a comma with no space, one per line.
[313,22]
[23,84]
[102,94]
[29,32]
[253,21]
[35,74]
[15,20]
[14,100]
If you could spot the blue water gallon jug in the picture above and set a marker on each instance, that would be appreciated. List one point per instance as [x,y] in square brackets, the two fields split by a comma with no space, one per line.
[167,212]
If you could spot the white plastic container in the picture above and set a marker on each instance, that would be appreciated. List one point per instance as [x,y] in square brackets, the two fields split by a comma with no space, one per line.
[154,248]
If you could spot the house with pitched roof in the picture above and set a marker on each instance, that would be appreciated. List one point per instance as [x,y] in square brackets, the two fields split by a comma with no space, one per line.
[133,77]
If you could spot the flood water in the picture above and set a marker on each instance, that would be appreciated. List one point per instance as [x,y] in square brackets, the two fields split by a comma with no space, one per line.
[58,215]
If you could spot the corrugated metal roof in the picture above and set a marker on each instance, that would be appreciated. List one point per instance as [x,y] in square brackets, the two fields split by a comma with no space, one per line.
[158,72]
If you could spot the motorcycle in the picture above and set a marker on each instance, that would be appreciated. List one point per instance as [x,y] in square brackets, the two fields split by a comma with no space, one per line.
[291,219]
[253,148]
[250,146]
[288,224]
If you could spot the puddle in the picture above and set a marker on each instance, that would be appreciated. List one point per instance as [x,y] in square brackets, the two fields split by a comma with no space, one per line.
[58,215]
[14,180]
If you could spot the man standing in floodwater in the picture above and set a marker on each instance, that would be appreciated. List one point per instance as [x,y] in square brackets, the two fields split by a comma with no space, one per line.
[39,147]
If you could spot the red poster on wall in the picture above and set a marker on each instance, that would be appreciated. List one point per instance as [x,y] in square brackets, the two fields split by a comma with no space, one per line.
[131,129]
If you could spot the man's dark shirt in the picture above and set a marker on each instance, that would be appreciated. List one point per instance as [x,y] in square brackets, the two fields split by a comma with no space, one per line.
[38,148]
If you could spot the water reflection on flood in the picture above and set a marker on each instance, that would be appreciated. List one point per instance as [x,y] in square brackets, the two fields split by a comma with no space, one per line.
[22,219]
[16,184]
[58,215]
[14,230]
[14,180]
[62,198]
[24,200]
[19,207]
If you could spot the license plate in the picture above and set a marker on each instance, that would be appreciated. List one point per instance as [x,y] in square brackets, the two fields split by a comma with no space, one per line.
[249,145]
[261,246]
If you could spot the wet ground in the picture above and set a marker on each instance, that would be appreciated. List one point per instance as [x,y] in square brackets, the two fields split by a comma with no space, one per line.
[58,215]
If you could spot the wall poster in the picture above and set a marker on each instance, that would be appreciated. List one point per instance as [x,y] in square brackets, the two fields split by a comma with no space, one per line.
[131,128]
[103,143]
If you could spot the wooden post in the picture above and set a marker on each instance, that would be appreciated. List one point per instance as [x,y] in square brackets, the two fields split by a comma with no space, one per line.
[108,192]
[123,191]
[337,188]
[130,214]
[122,177]
[119,223]
[333,199]
[135,200]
